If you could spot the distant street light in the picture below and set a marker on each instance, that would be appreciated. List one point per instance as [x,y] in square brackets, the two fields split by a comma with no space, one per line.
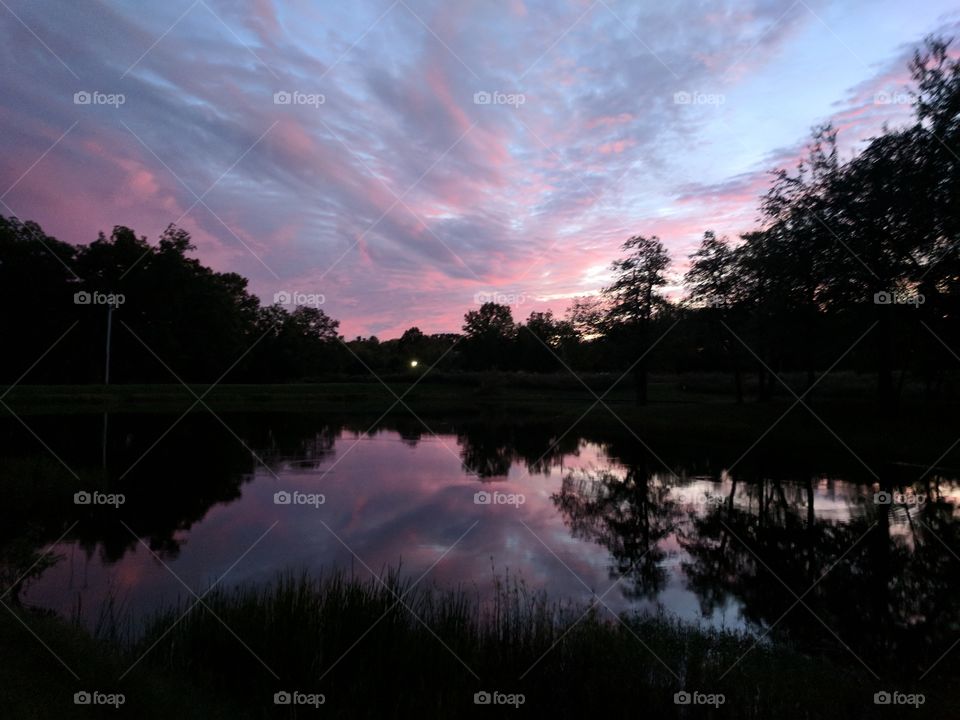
[414,363]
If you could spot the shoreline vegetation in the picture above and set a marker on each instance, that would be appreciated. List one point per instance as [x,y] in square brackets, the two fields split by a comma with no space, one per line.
[840,419]
[426,651]
[489,388]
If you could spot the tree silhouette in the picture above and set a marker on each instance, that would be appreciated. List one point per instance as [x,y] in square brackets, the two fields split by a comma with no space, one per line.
[634,300]
[712,281]
[488,335]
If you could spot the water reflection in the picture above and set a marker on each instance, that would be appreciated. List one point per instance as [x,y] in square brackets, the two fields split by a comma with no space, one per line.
[631,515]
[783,550]
[876,581]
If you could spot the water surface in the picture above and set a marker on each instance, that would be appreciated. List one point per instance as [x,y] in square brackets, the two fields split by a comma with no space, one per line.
[582,516]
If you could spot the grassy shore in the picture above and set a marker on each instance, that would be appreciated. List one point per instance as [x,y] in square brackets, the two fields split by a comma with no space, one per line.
[434,392]
[839,419]
[385,649]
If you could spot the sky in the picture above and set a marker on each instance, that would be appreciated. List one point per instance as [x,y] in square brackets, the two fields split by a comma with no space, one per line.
[402,161]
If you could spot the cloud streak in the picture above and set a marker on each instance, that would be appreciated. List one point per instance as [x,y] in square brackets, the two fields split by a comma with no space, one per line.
[393,192]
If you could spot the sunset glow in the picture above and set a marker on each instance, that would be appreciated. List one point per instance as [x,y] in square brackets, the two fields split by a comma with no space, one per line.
[400,158]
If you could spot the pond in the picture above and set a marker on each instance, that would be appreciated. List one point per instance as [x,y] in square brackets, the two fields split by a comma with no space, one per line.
[818,555]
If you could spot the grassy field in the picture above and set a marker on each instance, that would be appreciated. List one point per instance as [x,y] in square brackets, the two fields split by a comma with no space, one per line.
[383,649]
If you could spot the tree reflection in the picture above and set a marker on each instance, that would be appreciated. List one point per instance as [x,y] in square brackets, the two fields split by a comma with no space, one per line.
[880,585]
[878,581]
[169,484]
[631,515]
[489,450]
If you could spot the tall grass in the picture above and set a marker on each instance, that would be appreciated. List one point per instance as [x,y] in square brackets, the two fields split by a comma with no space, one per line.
[388,649]
[381,647]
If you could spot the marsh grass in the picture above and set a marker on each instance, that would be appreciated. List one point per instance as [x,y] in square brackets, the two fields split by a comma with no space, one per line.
[386,648]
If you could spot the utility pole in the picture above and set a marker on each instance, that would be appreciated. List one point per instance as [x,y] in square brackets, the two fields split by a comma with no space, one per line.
[106,371]
[106,375]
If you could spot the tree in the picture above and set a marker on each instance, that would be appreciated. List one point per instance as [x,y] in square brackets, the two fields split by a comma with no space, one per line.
[37,283]
[712,281]
[587,315]
[712,277]
[411,336]
[799,220]
[489,334]
[177,313]
[542,340]
[300,343]
[635,299]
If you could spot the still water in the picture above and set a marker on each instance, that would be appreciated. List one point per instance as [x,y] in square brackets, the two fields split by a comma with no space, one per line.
[814,553]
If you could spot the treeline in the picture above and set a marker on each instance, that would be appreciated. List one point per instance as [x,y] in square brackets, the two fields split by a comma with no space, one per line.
[866,247]
[855,265]
[166,313]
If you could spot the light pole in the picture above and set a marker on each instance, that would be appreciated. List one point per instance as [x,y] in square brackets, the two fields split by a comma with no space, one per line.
[111,306]
[106,370]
